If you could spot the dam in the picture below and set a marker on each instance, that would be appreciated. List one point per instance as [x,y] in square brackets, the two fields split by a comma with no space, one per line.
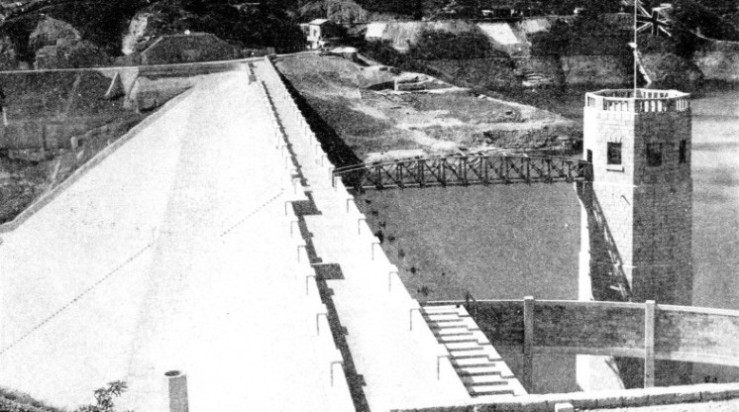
[213,240]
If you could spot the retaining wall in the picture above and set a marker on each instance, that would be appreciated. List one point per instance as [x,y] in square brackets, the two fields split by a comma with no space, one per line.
[681,333]
[600,400]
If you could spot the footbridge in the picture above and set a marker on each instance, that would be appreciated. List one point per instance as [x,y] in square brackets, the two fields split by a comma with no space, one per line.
[464,170]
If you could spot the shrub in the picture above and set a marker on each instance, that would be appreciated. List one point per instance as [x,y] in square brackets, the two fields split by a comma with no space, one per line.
[437,45]
[104,397]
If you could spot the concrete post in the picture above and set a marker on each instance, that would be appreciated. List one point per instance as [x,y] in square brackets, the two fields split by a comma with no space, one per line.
[334,363]
[359,225]
[305,252]
[177,391]
[528,343]
[411,316]
[438,365]
[318,322]
[294,223]
[649,315]
[288,204]
[373,244]
[307,283]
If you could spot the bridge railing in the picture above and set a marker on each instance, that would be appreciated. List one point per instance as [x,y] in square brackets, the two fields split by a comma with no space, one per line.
[463,170]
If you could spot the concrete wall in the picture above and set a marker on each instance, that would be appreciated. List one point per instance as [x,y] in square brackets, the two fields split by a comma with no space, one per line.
[687,333]
[602,399]
[613,328]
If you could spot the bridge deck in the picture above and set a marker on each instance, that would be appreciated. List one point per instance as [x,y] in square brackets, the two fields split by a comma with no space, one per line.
[455,170]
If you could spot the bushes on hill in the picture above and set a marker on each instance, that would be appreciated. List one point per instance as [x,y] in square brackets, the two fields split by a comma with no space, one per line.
[440,45]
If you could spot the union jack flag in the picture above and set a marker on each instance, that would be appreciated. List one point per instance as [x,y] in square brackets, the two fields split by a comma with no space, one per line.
[657,22]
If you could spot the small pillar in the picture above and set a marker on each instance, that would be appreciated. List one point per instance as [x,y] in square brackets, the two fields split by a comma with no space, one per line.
[649,315]
[528,343]
[177,391]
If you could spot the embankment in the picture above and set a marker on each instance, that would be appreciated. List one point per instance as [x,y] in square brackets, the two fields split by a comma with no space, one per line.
[563,51]
[718,60]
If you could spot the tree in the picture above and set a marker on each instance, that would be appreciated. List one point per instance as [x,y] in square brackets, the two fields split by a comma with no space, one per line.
[104,397]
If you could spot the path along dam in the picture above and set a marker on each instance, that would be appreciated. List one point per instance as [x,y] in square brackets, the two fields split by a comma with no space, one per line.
[209,259]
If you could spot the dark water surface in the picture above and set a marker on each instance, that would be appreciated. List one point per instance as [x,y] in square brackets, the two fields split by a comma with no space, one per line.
[511,241]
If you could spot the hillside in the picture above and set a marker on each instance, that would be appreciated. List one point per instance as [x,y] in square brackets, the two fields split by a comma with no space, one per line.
[355,103]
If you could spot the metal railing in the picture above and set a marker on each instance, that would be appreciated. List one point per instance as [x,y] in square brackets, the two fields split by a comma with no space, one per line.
[463,170]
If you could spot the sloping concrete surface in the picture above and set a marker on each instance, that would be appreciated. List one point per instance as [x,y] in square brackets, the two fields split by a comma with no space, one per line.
[173,253]
[402,367]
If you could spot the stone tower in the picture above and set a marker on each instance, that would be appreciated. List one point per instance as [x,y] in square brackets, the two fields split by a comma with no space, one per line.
[637,214]
[637,210]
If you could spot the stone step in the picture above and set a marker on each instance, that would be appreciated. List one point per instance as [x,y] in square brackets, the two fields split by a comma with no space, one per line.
[451,331]
[445,309]
[447,325]
[486,369]
[493,379]
[439,318]
[466,337]
[463,346]
[480,390]
[470,353]
[479,360]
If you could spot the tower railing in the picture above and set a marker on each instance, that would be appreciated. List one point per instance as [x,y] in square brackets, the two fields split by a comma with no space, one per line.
[638,101]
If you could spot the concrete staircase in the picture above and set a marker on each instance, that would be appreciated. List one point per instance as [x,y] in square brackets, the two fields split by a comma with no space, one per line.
[475,360]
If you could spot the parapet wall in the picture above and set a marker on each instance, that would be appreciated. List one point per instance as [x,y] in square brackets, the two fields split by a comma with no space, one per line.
[681,333]
[629,398]
[638,101]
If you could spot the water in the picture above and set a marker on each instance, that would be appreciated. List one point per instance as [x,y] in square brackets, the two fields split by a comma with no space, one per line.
[715,170]
[511,241]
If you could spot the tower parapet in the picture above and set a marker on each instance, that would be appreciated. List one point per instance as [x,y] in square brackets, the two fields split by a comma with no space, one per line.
[638,101]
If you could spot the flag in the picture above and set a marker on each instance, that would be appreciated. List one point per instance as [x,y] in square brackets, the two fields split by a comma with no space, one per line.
[657,21]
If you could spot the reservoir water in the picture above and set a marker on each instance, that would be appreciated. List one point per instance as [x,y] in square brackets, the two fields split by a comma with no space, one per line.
[510,241]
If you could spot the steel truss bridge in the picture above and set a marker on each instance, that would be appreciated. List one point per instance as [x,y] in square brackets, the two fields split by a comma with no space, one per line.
[464,170]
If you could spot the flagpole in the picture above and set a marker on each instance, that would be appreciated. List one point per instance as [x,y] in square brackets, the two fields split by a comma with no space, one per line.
[636,48]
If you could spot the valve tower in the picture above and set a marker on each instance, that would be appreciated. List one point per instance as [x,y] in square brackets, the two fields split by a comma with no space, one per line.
[637,210]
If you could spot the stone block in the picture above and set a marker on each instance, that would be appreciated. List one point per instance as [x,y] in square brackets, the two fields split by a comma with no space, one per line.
[635,397]
[609,399]
[505,406]
[580,400]
[687,395]
[564,407]
[660,396]
[731,391]
[534,403]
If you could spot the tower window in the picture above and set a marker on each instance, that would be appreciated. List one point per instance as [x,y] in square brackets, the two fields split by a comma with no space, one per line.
[614,153]
[654,154]
[683,151]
